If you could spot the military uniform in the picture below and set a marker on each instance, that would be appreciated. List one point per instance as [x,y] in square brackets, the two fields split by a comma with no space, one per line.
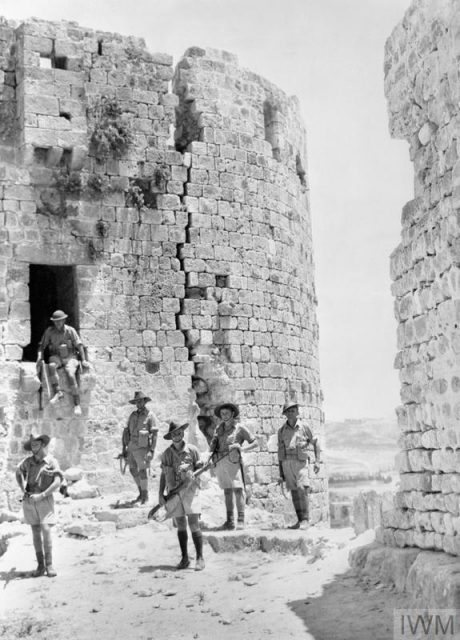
[38,476]
[293,454]
[63,344]
[294,446]
[229,463]
[139,440]
[178,466]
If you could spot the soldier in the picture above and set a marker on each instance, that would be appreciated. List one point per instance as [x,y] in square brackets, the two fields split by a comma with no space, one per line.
[294,437]
[139,441]
[63,344]
[178,462]
[38,475]
[226,450]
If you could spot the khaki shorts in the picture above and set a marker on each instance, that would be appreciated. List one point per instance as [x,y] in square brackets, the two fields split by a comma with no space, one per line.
[137,459]
[41,512]
[229,474]
[296,473]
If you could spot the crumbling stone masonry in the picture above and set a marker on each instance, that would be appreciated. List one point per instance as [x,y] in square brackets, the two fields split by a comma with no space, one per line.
[167,212]
[423,90]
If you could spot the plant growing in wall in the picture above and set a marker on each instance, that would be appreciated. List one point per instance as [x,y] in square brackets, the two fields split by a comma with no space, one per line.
[111,134]
[66,181]
[134,197]
[97,184]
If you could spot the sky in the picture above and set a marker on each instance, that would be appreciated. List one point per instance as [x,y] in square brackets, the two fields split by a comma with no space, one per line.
[330,54]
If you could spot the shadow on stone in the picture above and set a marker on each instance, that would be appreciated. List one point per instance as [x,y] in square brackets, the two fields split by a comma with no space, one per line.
[349,609]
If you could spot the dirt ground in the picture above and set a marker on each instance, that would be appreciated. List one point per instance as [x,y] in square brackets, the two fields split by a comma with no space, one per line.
[124,585]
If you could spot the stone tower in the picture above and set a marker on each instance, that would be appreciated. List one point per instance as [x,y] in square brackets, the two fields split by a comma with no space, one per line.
[166,211]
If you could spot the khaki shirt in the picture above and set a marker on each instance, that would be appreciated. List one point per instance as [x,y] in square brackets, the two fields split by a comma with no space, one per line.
[172,459]
[39,474]
[224,437]
[142,430]
[293,442]
[63,343]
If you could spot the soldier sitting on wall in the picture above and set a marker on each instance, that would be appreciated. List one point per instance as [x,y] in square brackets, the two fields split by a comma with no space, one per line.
[64,346]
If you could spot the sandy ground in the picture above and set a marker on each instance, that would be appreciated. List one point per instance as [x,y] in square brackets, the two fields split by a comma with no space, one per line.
[124,585]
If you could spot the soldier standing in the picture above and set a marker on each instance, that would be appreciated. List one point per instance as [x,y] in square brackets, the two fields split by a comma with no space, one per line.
[139,441]
[63,344]
[178,462]
[294,438]
[226,451]
[38,475]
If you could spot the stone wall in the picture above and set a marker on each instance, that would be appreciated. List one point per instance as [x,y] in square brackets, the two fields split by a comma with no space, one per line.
[178,201]
[423,92]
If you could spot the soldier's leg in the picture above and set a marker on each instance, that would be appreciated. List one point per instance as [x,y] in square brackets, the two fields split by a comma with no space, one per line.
[304,506]
[304,486]
[134,471]
[296,501]
[181,522]
[38,546]
[197,537]
[53,364]
[143,485]
[70,368]
[47,543]
[230,522]
[239,499]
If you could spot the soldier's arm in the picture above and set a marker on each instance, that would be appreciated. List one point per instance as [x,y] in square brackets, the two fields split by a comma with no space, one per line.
[78,344]
[153,434]
[280,454]
[20,479]
[161,488]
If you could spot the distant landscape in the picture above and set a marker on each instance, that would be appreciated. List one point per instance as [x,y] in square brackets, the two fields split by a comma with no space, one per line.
[360,449]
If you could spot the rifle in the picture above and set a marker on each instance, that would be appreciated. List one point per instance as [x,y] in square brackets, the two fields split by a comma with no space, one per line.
[184,485]
[122,456]
[179,488]
[41,373]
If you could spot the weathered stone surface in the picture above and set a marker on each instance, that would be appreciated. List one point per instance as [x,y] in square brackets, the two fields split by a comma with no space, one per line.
[89,528]
[422,87]
[73,474]
[81,489]
[179,262]
[123,518]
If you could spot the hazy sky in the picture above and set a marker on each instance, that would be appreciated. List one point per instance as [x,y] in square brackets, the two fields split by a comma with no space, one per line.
[330,54]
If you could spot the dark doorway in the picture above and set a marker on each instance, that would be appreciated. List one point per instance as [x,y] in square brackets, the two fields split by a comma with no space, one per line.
[50,288]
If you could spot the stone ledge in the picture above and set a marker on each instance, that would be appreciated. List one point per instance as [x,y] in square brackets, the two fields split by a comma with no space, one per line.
[431,578]
[292,543]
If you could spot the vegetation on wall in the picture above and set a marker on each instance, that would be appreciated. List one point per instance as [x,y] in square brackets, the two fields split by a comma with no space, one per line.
[111,134]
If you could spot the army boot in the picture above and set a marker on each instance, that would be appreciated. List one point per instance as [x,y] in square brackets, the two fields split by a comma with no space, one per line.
[40,570]
[50,571]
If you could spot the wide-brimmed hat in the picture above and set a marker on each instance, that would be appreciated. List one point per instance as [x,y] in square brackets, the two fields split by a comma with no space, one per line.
[139,396]
[289,405]
[227,405]
[173,427]
[44,439]
[58,315]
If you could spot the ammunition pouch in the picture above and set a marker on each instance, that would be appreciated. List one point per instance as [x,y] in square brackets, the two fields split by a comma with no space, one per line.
[143,439]
[302,453]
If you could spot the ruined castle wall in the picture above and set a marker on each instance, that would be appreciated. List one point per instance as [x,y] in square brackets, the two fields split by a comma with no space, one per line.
[191,258]
[423,91]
